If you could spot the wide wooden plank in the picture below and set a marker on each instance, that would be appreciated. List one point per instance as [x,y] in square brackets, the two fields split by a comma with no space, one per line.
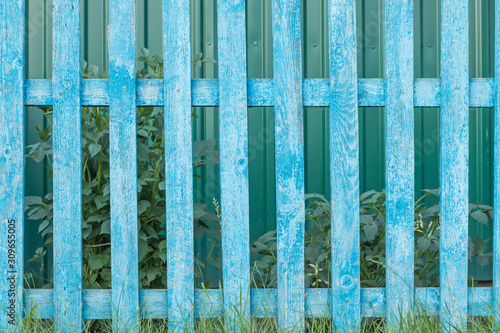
[123,166]
[12,163]
[178,164]
[344,165]
[454,171]
[263,302]
[496,166]
[67,164]
[399,158]
[289,162]
[233,150]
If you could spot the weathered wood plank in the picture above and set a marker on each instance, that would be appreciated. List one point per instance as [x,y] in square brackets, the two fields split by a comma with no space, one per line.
[178,164]
[289,162]
[233,150]
[67,166]
[344,165]
[496,167]
[315,92]
[263,304]
[123,166]
[399,160]
[11,163]
[454,171]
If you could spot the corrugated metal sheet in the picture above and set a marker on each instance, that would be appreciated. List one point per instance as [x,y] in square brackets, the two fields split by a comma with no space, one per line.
[259,57]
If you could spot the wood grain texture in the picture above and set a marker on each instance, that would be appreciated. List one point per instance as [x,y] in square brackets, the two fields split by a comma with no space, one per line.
[67,165]
[496,167]
[233,150]
[123,166]
[289,162]
[454,159]
[399,160]
[315,92]
[344,165]
[178,164]
[263,302]
[11,163]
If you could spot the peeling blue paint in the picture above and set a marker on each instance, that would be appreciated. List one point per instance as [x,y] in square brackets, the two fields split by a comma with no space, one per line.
[123,166]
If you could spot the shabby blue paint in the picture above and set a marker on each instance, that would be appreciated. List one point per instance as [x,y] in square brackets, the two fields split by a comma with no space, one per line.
[289,162]
[315,92]
[263,302]
[178,164]
[12,163]
[454,162]
[67,156]
[399,160]
[123,166]
[344,165]
[233,150]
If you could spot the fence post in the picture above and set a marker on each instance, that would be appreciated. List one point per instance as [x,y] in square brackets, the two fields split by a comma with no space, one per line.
[400,166]
[289,142]
[233,147]
[123,166]
[344,165]
[178,164]
[66,80]
[454,171]
[12,163]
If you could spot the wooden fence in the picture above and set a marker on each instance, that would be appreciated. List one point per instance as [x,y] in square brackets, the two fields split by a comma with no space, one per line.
[233,93]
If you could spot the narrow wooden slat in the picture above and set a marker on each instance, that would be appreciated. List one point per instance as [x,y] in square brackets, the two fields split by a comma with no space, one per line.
[11,163]
[399,160]
[123,166]
[233,150]
[67,166]
[315,92]
[263,304]
[496,168]
[344,165]
[178,164]
[454,180]
[289,162]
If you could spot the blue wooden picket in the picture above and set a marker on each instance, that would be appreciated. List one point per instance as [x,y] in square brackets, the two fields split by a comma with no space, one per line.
[178,164]
[233,93]
[454,172]
[289,162]
[399,161]
[12,162]
[67,182]
[123,166]
[233,151]
[344,159]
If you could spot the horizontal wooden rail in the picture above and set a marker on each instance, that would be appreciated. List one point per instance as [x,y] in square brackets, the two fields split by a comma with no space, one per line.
[205,92]
[263,302]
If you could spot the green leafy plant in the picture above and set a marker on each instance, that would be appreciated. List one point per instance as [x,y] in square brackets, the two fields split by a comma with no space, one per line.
[96,188]
[372,242]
